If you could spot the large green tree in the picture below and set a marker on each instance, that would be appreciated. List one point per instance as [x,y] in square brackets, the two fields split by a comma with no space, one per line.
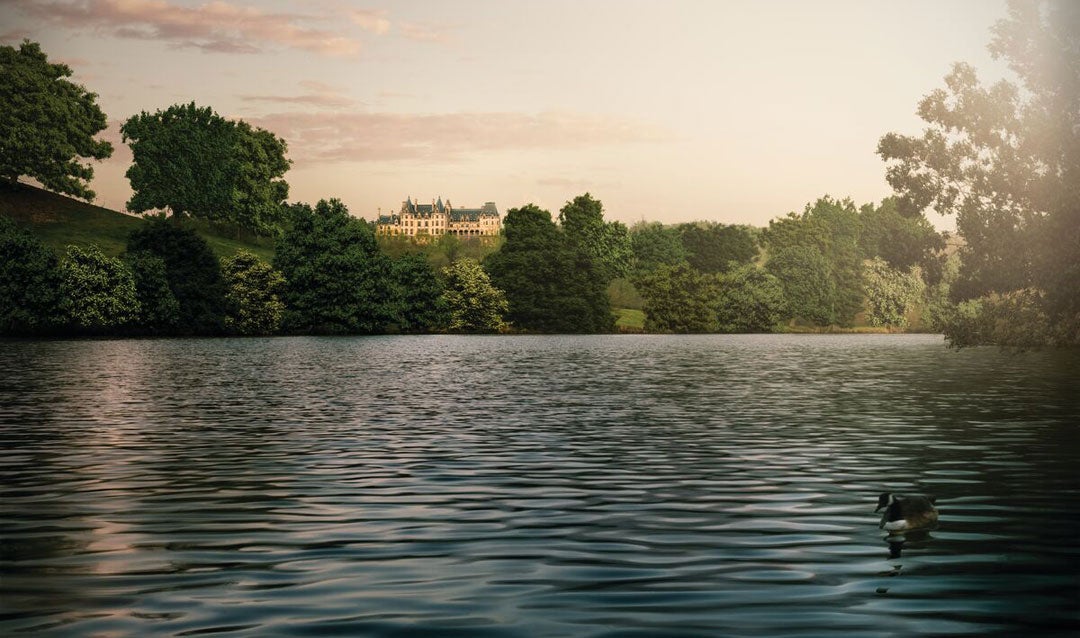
[30,299]
[47,123]
[191,161]
[418,303]
[551,282]
[98,291]
[817,258]
[1005,160]
[749,299]
[192,270]
[474,305]
[607,243]
[337,279]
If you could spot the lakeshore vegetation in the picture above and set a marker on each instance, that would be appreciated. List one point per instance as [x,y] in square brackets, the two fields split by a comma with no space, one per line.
[221,251]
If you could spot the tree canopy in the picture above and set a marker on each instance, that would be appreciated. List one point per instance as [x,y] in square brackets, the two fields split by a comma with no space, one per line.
[192,271]
[552,282]
[99,291]
[337,279]
[717,248]
[191,161]
[30,300]
[47,123]
[606,243]
[1005,159]
[816,256]
[473,304]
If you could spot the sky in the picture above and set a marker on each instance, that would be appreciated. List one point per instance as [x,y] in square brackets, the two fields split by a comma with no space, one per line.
[672,111]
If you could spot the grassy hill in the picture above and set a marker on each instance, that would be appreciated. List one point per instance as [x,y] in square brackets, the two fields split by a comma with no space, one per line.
[59,221]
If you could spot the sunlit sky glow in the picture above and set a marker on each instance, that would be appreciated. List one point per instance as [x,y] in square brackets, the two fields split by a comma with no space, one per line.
[672,111]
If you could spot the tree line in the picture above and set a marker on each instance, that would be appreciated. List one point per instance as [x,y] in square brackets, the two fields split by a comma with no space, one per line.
[1004,159]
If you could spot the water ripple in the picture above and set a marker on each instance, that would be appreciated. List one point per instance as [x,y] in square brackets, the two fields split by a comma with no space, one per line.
[534,486]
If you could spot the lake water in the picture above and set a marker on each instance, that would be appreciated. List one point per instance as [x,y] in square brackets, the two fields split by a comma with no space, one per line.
[535,486]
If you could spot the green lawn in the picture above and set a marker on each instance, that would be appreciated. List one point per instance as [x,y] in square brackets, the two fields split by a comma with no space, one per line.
[629,320]
[59,221]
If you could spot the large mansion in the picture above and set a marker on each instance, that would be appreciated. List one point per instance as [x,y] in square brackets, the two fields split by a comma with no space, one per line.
[438,218]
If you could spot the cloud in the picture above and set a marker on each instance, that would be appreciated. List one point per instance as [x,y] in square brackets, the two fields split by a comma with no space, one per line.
[567,183]
[374,137]
[423,33]
[371,20]
[214,26]
[325,100]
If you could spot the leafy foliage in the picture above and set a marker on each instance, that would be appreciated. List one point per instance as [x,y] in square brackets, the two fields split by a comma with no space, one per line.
[816,256]
[252,289]
[655,245]
[29,282]
[419,304]
[159,312]
[1005,159]
[191,161]
[716,248]
[337,280]
[606,243]
[890,293]
[749,300]
[98,291]
[901,240]
[47,123]
[551,283]
[679,299]
[192,270]
[474,305]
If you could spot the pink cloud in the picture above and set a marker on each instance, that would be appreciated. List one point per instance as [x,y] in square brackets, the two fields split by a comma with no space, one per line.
[371,20]
[214,26]
[373,137]
[422,33]
[326,100]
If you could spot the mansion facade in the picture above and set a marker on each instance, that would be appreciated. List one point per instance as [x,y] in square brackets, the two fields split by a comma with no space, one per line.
[437,218]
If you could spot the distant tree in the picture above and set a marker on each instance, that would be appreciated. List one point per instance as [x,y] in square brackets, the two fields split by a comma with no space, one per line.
[159,312]
[606,243]
[716,248]
[750,299]
[98,291]
[47,123]
[337,279]
[252,295]
[192,270]
[474,305]
[1005,159]
[890,293]
[655,245]
[809,290]
[830,229]
[191,161]
[30,298]
[551,283]
[419,304]
[679,299]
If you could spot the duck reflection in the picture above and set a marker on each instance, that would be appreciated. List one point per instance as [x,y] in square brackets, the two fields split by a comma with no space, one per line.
[918,539]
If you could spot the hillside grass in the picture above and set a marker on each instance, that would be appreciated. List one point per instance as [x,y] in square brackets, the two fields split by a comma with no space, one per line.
[61,221]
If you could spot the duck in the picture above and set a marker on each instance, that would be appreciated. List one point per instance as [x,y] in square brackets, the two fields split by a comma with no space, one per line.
[904,513]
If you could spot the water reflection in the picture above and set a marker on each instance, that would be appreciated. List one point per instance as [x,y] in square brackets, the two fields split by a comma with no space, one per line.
[540,486]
